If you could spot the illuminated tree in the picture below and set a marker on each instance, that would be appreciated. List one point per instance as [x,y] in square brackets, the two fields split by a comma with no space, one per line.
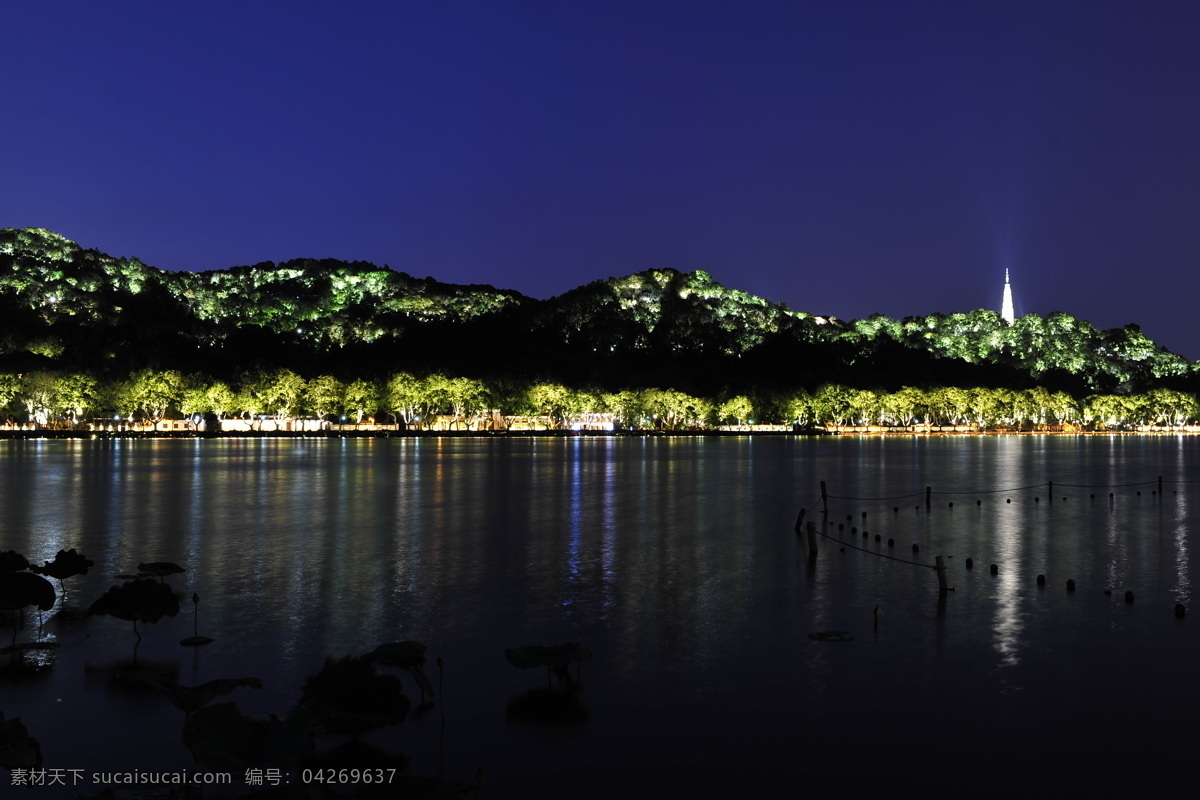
[671,409]
[465,397]
[903,407]
[628,408]
[865,407]
[735,410]
[362,396]
[402,397]
[221,399]
[10,387]
[799,409]
[75,393]
[284,393]
[1062,408]
[1171,408]
[508,396]
[152,392]
[588,401]
[278,393]
[433,398]
[1106,410]
[193,399]
[949,405]
[554,401]
[324,395]
[37,394]
[833,404]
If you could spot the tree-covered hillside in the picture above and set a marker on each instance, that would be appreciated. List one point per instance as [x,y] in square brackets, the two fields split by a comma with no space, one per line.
[63,307]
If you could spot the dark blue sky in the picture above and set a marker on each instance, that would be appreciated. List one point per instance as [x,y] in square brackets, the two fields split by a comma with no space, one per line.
[842,157]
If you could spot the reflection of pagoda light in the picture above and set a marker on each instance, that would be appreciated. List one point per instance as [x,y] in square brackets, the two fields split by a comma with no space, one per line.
[1006,307]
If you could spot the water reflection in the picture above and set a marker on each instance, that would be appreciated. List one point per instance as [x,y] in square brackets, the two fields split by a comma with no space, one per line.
[1008,470]
[674,559]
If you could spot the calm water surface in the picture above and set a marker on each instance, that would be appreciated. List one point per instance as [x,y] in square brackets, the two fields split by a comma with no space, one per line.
[675,562]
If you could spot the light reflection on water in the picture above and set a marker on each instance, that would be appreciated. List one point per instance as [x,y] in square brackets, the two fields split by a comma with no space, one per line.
[674,560]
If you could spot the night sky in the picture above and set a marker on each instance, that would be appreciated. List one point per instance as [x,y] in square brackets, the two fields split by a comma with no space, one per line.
[845,158]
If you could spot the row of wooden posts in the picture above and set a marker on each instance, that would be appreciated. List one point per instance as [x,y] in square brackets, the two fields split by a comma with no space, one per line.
[940,563]
[929,495]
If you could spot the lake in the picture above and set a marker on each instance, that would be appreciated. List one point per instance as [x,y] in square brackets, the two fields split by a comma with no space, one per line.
[674,560]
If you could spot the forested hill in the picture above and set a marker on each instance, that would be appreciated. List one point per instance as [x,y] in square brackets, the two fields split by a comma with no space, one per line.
[68,308]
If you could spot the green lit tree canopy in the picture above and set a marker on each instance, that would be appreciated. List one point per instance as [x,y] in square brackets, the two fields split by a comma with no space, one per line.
[67,310]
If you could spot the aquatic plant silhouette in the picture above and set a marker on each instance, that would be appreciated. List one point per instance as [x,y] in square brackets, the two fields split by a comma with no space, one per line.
[409,656]
[191,698]
[160,569]
[195,639]
[556,656]
[66,564]
[548,706]
[223,738]
[349,696]
[12,561]
[18,750]
[21,589]
[141,600]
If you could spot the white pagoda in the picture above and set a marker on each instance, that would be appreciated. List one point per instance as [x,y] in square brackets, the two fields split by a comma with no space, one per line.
[1006,307]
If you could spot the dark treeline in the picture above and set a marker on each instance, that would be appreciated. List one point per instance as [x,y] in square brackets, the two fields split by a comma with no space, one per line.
[65,310]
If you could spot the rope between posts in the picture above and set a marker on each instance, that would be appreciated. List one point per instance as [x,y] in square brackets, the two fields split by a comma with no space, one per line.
[872,552]
[1110,485]
[1001,491]
[889,497]
[812,507]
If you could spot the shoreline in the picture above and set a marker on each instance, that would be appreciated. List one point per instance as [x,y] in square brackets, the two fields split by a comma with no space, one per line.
[22,435]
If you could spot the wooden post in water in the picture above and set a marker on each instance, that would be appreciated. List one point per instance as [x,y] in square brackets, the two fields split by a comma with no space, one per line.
[824,499]
[812,540]
[1051,491]
[928,491]
[941,573]
[799,520]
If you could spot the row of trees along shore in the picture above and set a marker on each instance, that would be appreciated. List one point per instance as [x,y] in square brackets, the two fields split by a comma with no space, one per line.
[69,400]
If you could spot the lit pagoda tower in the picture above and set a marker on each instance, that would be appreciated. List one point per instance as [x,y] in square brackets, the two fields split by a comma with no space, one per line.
[1006,307]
